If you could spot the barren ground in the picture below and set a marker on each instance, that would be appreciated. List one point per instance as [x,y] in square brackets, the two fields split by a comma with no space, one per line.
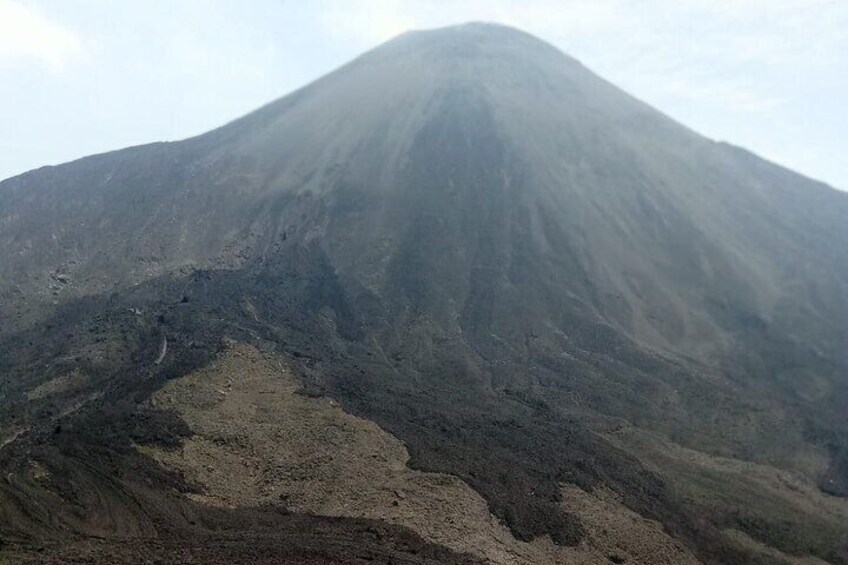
[258,441]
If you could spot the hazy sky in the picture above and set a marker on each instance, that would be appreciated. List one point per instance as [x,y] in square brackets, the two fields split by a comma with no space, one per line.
[84,76]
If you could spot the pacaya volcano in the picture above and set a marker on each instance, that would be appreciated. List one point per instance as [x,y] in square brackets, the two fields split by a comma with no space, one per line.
[459,301]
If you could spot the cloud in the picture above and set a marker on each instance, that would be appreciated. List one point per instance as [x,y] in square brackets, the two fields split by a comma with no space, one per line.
[26,36]
[732,94]
[367,22]
[370,21]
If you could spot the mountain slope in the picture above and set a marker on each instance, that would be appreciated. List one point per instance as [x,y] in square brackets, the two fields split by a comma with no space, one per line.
[529,277]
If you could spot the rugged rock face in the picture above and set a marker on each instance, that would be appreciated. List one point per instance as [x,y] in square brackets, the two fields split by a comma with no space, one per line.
[533,280]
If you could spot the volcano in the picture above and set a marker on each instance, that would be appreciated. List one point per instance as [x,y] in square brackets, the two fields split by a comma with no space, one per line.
[458,301]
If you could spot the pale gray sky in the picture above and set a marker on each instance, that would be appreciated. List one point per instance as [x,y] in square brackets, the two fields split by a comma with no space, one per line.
[86,76]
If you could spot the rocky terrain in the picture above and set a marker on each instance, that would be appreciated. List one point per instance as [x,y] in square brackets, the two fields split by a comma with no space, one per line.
[256,441]
[459,301]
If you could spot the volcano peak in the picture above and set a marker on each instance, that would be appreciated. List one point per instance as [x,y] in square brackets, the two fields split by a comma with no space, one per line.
[574,317]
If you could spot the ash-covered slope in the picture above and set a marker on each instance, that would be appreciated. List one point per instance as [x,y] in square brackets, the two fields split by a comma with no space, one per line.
[508,144]
[528,276]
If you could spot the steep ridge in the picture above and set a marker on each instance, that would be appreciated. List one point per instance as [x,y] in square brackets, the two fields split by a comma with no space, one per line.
[470,239]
